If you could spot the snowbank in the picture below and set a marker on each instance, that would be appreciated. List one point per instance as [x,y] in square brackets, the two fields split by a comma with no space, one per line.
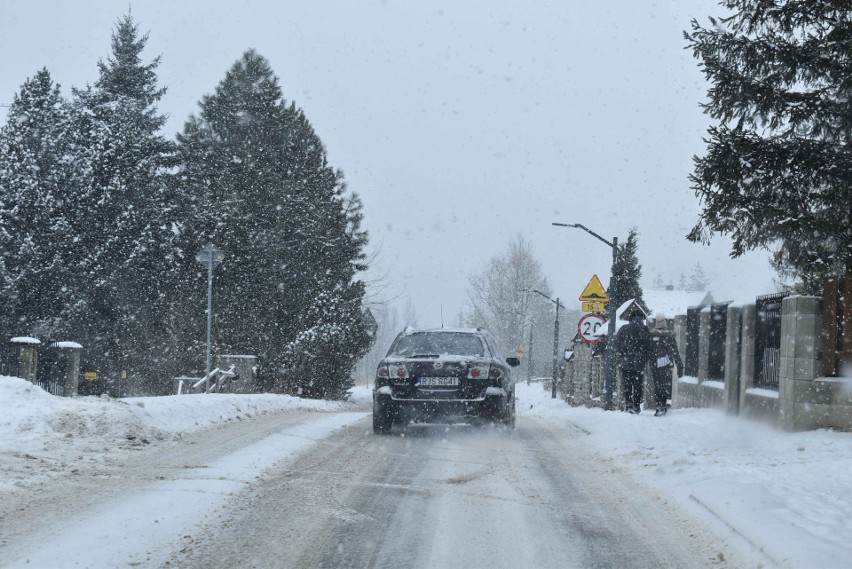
[42,435]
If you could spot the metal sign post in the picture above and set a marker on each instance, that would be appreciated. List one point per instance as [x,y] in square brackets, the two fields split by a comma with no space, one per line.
[211,256]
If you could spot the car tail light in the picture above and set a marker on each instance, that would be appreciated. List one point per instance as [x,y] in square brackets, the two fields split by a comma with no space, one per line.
[475,372]
[390,373]
[495,373]
[382,375]
[399,371]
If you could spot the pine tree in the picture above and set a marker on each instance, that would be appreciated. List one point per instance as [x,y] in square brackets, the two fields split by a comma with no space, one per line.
[778,165]
[265,193]
[628,273]
[38,173]
[127,219]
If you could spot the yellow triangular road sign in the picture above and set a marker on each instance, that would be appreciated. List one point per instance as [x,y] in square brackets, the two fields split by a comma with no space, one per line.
[594,291]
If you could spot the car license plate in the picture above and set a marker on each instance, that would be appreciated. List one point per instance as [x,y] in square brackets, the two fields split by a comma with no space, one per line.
[439,381]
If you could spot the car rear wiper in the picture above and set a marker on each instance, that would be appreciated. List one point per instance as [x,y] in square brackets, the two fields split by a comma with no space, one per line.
[424,356]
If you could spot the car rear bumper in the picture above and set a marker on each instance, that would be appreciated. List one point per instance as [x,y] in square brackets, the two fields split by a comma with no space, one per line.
[492,403]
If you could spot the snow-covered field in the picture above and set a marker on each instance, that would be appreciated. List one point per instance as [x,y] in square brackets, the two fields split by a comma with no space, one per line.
[787,495]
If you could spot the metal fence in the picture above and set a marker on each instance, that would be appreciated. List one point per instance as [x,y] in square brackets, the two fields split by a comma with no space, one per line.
[9,360]
[51,369]
[767,352]
[718,333]
[693,325]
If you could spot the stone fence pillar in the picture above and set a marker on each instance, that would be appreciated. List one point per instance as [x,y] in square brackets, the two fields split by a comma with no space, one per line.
[748,347]
[72,351]
[27,357]
[802,399]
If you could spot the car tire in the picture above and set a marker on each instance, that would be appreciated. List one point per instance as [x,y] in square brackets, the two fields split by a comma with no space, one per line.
[509,419]
[382,421]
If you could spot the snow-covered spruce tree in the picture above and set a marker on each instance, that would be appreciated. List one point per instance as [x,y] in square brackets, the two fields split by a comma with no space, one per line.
[126,219]
[38,174]
[628,273]
[265,193]
[778,168]
[698,281]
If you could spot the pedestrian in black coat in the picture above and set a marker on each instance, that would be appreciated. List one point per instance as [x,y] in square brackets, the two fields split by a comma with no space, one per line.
[665,356]
[633,343]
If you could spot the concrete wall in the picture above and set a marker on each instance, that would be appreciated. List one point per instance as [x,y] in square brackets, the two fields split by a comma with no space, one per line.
[761,406]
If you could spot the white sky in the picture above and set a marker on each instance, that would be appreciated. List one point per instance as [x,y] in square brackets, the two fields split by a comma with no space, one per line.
[770,498]
[459,124]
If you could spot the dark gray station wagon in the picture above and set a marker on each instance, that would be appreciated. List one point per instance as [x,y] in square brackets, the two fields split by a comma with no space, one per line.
[444,375]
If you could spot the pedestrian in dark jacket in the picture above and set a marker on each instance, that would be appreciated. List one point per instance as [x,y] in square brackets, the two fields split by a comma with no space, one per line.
[633,343]
[665,356]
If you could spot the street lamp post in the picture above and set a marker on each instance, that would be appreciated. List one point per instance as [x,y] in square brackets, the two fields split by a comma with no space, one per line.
[530,353]
[555,339]
[211,256]
[609,355]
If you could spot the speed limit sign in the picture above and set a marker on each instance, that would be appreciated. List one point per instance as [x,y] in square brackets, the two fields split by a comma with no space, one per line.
[590,328]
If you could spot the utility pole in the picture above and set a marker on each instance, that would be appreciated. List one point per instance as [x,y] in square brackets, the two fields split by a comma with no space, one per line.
[530,354]
[555,339]
[609,355]
[555,350]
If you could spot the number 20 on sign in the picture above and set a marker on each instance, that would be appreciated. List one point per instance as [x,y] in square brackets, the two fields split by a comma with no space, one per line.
[590,327]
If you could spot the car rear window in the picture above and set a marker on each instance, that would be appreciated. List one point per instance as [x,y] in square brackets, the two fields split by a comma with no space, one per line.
[438,344]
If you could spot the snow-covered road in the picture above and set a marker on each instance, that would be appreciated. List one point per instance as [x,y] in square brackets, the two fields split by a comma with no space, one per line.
[320,490]
[458,497]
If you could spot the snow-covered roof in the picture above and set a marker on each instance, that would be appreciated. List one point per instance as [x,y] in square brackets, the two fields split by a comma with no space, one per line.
[457,330]
[24,340]
[628,305]
[674,302]
[70,345]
